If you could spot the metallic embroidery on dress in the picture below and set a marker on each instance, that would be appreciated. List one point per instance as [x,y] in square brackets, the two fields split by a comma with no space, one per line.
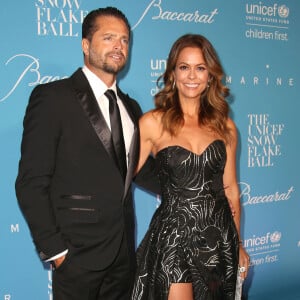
[192,236]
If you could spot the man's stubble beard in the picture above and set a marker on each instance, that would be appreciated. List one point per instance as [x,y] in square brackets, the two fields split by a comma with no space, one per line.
[110,69]
[103,65]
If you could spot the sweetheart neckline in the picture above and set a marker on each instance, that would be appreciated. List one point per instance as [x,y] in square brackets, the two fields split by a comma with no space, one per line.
[178,146]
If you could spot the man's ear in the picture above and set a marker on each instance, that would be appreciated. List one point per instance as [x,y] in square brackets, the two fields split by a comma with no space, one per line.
[85,44]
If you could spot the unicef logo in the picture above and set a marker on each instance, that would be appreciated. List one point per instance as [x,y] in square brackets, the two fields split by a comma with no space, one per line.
[283,11]
[275,237]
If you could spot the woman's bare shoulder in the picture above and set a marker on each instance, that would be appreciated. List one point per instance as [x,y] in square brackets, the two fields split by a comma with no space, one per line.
[150,125]
[151,118]
[230,124]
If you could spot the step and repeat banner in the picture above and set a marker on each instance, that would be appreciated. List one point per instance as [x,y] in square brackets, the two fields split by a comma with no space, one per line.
[258,43]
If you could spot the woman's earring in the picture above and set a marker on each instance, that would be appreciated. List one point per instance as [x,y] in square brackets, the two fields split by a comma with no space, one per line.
[173,86]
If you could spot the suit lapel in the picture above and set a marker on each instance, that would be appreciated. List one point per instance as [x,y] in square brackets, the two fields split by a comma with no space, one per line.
[91,108]
[133,154]
[132,160]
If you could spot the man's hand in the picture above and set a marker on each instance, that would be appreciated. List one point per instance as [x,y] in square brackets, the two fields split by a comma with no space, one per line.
[59,261]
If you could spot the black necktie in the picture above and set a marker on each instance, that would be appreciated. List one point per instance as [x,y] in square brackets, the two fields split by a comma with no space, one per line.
[117,132]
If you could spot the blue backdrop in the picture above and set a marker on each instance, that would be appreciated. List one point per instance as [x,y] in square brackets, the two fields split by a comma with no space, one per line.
[258,43]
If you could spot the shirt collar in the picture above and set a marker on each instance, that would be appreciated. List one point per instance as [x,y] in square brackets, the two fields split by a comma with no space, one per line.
[97,85]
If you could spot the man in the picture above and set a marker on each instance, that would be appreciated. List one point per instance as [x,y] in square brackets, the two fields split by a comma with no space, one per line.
[70,186]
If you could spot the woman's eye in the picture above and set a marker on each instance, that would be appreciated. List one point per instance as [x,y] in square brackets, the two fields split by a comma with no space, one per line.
[183,68]
[201,68]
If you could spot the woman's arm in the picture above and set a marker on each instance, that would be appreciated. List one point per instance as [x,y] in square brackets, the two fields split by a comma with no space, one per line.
[146,173]
[148,130]
[232,191]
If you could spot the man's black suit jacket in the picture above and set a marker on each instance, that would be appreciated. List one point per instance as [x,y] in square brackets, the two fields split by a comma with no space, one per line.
[68,186]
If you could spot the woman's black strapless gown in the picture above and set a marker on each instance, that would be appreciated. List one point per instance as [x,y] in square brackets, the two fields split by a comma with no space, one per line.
[192,236]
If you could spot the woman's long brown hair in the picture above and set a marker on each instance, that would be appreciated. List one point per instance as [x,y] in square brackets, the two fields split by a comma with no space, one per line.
[214,109]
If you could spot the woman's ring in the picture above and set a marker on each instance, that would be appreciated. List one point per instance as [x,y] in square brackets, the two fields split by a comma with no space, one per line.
[242,269]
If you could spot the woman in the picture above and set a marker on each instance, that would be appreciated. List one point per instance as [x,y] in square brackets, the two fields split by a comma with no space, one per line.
[192,248]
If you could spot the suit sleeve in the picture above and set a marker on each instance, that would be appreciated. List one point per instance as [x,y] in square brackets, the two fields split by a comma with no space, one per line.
[37,164]
[147,177]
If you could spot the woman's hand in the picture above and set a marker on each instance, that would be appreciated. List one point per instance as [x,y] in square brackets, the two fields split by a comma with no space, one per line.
[244,262]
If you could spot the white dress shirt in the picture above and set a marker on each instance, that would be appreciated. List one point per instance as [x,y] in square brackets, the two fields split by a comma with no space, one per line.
[99,88]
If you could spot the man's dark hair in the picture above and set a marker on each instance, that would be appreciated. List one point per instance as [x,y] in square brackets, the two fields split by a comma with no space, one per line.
[89,23]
